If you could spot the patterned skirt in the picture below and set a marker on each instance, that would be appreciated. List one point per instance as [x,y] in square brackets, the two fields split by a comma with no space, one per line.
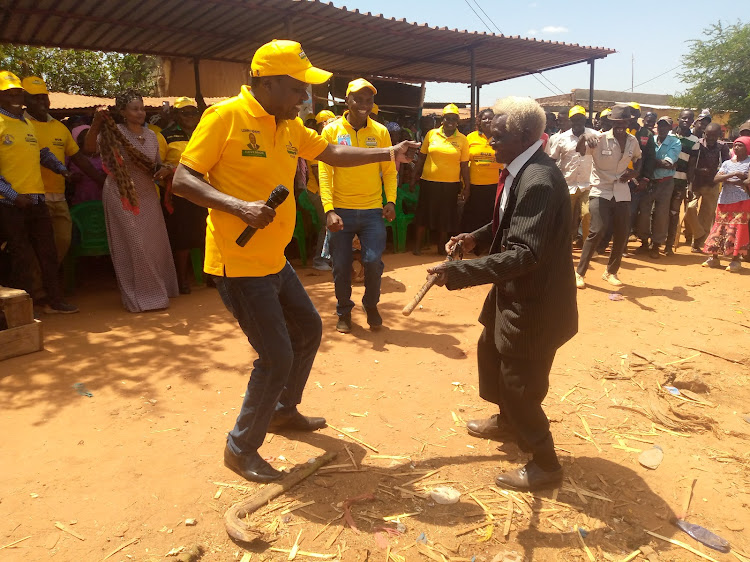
[730,235]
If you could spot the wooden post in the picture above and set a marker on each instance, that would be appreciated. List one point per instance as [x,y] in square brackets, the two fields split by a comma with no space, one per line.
[198,94]
[473,88]
[591,91]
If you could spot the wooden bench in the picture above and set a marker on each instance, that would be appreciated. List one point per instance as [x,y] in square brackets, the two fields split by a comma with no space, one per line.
[23,333]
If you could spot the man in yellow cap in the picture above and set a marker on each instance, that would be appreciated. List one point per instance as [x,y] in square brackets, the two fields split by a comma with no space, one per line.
[24,218]
[352,200]
[241,150]
[186,221]
[322,119]
[55,136]
[575,167]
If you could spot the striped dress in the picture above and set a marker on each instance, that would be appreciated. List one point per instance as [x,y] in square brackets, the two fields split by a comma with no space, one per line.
[138,243]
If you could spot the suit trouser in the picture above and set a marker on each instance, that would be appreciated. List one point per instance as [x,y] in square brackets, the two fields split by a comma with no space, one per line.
[518,386]
[606,213]
[655,227]
[701,212]
[30,237]
[62,228]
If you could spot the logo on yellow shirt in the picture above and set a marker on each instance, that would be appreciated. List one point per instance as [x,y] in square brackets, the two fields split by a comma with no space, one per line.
[371,142]
[8,139]
[31,139]
[291,150]
[254,147]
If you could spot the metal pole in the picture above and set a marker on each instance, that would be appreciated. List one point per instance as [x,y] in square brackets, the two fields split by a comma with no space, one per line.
[591,91]
[289,26]
[198,95]
[473,88]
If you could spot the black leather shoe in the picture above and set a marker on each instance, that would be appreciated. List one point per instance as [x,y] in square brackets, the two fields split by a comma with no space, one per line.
[373,317]
[493,427]
[295,421]
[251,467]
[344,325]
[529,477]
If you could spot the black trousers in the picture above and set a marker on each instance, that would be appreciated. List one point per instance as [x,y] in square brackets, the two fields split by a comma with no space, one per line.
[29,234]
[606,213]
[518,386]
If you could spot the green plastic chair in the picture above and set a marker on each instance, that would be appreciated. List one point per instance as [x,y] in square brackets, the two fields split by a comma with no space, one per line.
[301,237]
[196,259]
[89,236]
[402,221]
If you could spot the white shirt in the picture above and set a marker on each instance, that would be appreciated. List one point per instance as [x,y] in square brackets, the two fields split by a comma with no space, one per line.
[513,169]
[610,162]
[576,168]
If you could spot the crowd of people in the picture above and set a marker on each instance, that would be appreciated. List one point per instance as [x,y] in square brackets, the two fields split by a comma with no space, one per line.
[519,190]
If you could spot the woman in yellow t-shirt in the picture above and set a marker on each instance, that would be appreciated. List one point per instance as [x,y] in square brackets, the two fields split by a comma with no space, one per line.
[442,167]
[484,173]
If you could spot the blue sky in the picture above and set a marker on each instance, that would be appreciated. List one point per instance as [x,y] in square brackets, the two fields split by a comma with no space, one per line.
[655,38]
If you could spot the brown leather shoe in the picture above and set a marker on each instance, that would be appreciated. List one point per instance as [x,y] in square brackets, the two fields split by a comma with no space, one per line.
[294,421]
[529,477]
[251,467]
[493,427]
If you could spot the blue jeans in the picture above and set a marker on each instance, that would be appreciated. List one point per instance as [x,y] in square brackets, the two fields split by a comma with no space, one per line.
[368,225]
[282,325]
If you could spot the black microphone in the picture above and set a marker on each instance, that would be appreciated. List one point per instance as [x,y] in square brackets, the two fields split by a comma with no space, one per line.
[277,197]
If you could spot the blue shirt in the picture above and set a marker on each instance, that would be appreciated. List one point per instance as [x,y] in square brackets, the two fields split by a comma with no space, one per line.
[668,150]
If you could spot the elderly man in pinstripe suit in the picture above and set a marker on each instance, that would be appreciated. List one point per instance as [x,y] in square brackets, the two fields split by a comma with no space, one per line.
[531,309]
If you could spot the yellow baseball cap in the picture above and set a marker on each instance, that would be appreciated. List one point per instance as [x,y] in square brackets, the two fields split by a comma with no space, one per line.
[375,109]
[34,85]
[281,57]
[576,110]
[9,81]
[605,112]
[451,108]
[184,101]
[358,84]
[324,116]
[635,105]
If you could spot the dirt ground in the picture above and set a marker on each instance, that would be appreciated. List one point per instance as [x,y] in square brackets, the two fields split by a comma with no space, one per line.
[129,465]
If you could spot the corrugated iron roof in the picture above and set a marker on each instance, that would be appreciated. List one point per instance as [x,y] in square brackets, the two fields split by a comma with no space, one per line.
[342,41]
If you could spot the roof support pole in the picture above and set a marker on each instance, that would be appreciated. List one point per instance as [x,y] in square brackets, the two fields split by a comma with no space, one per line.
[198,95]
[289,21]
[591,91]
[473,88]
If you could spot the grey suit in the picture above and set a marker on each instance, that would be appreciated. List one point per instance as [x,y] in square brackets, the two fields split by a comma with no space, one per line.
[531,308]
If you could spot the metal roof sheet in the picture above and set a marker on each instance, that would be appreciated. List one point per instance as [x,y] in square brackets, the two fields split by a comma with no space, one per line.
[343,41]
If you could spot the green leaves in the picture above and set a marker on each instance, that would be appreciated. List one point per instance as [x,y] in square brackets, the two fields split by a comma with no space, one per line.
[716,68]
[92,73]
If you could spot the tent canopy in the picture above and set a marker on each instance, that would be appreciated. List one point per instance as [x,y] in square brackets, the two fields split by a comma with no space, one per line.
[348,43]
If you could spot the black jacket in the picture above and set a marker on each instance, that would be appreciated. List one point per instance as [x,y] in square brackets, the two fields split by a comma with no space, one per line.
[532,305]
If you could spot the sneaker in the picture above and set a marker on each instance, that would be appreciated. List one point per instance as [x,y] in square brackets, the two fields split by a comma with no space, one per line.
[321,264]
[60,308]
[668,251]
[612,279]
[653,253]
[695,250]
[642,249]
[580,283]
[712,262]
[373,317]
[344,325]
[734,266]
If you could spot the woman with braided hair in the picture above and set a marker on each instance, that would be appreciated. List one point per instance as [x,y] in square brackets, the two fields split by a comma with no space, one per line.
[136,232]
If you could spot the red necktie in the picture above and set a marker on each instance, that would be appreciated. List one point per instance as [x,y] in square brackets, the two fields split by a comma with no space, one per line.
[498,196]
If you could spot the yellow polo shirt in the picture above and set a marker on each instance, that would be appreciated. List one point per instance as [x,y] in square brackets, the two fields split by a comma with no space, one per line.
[19,156]
[54,135]
[483,168]
[444,155]
[359,187]
[243,152]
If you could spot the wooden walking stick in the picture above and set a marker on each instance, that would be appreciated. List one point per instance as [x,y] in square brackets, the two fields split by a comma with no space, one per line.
[457,253]
[234,518]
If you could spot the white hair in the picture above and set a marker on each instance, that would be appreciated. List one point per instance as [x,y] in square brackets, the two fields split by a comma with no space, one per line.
[524,116]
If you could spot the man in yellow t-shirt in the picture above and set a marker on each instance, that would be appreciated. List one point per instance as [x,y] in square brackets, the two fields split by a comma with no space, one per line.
[55,136]
[24,218]
[353,202]
[241,150]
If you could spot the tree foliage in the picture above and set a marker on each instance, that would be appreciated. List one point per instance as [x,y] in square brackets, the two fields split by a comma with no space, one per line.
[92,73]
[716,69]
